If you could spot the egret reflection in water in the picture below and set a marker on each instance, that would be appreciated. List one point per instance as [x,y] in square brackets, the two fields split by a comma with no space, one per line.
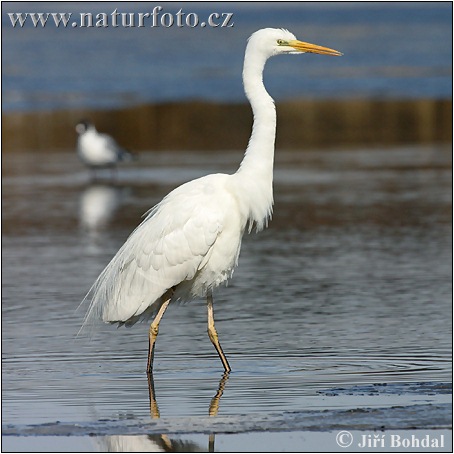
[147,443]
[162,442]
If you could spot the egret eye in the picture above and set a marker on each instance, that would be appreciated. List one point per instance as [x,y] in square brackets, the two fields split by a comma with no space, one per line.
[281,42]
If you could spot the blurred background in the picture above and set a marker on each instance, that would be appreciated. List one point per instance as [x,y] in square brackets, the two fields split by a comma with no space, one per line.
[179,88]
[351,283]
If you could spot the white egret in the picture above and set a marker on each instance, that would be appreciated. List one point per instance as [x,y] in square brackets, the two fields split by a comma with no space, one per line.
[97,150]
[189,243]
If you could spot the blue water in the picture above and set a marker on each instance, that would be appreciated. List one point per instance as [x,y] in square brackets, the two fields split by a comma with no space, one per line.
[350,286]
[337,317]
[391,50]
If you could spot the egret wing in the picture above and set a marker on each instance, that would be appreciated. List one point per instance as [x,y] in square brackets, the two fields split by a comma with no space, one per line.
[166,249]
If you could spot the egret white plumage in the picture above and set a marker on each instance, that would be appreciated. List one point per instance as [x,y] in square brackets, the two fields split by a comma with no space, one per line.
[189,243]
[97,150]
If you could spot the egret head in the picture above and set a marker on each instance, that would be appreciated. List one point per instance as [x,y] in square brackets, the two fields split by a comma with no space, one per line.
[275,41]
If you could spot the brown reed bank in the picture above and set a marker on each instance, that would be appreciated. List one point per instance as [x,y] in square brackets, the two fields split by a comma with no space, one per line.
[197,125]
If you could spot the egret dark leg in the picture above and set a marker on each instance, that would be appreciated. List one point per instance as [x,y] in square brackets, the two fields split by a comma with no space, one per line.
[153,334]
[213,335]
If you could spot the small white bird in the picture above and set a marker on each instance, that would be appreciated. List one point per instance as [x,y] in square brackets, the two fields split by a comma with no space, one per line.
[189,243]
[98,150]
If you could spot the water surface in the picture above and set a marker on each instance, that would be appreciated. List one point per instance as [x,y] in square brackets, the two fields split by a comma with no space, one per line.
[391,49]
[348,288]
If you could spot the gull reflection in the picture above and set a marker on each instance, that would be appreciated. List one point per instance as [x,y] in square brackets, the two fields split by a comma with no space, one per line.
[98,203]
[163,442]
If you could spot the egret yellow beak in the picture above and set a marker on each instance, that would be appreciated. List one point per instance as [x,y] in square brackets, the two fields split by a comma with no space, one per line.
[313,48]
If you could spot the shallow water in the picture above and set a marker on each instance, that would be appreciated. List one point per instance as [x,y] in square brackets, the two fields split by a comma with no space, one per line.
[350,286]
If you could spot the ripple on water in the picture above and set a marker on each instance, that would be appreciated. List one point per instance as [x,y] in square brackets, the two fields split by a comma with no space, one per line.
[349,287]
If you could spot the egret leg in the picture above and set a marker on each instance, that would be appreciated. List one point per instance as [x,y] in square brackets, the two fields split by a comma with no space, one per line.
[153,334]
[213,335]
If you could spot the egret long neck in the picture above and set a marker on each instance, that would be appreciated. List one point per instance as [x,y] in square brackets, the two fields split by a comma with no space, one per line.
[260,150]
[256,169]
